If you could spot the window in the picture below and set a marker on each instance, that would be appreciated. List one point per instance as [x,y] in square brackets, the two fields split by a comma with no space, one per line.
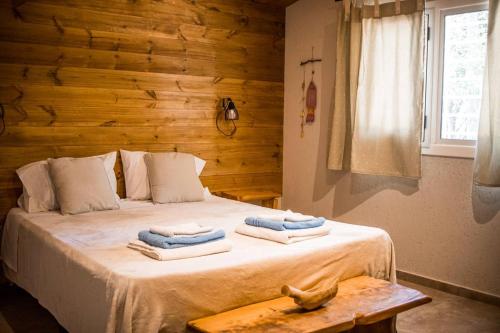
[454,56]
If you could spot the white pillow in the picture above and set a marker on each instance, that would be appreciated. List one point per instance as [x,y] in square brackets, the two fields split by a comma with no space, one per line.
[38,189]
[173,178]
[109,161]
[136,174]
[82,184]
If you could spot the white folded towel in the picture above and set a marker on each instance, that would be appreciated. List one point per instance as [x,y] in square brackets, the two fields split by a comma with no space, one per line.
[287,216]
[187,229]
[199,250]
[285,237]
[297,217]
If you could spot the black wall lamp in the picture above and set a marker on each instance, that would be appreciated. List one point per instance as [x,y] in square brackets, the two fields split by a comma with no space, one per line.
[230,114]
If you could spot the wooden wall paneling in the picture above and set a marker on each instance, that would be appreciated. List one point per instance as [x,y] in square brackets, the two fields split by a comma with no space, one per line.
[281,3]
[85,77]
[153,17]
[64,116]
[145,44]
[236,8]
[48,136]
[63,17]
[13,74]
[25,94]
[36,54]
[207,151]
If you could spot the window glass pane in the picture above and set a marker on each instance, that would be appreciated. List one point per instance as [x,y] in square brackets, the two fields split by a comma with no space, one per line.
[464,56]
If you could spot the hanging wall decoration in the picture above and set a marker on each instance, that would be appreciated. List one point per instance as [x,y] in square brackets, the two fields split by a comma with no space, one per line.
[309,98]
[303,111]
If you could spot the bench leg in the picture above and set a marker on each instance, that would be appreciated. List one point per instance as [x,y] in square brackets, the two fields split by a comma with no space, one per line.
[384,326]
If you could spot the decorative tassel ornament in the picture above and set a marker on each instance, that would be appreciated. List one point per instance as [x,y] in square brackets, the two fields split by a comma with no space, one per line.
[303,112]
[311,101]
[309,98]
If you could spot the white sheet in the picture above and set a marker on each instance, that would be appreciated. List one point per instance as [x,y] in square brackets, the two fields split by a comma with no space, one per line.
[79,267]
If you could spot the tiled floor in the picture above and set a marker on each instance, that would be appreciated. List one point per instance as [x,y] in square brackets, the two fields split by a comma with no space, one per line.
[19,312]
[449,313]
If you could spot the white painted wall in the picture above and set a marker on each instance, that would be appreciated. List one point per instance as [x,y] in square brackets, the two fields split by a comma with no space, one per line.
[442,227]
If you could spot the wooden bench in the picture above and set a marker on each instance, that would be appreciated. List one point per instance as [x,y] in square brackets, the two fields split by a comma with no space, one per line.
[363,304]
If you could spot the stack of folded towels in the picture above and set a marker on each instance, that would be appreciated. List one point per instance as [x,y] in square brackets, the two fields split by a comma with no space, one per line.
[180,241]
[287,227]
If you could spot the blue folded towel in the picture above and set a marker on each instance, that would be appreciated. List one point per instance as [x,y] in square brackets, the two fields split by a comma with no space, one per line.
[175,242]
[284,225]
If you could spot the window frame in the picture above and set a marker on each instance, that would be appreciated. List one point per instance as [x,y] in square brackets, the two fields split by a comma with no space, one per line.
[433,144]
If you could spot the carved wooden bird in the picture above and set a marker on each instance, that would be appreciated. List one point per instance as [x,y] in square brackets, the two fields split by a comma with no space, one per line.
[312,299]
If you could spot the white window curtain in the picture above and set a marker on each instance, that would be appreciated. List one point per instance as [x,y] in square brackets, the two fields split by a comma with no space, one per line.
[487,164]
[384,112]
[346,87]
[387,123]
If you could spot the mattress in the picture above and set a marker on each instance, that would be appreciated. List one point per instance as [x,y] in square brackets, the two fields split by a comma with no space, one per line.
[79,268]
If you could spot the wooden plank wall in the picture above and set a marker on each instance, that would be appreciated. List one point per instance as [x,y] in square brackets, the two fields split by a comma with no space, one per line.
[85,77]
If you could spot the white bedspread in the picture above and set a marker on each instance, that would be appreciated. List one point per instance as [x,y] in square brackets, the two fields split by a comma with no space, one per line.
[80,269]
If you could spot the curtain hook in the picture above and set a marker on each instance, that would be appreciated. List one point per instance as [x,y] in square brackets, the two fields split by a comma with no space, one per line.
[420,5]
[347,9]
[376,9]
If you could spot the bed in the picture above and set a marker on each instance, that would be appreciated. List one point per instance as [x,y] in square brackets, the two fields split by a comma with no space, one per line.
[79,268]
